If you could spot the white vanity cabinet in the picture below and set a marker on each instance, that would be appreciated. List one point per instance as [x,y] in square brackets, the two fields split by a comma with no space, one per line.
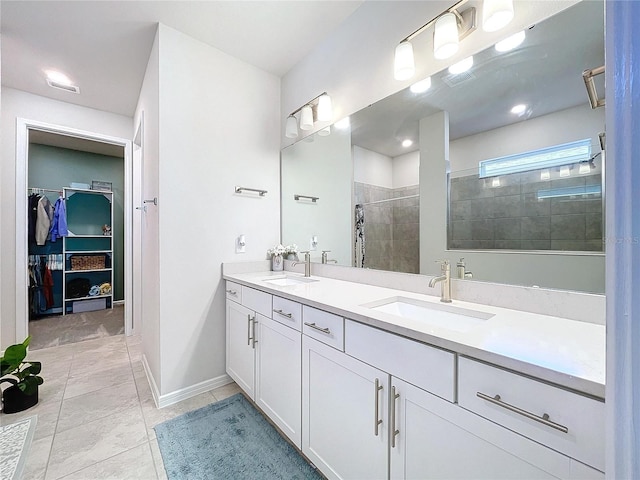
[345,413]
[264,358]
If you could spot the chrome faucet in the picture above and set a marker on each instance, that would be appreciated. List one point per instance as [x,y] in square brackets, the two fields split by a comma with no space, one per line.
[445,278]
[325,259]
[307,263]
[462,270]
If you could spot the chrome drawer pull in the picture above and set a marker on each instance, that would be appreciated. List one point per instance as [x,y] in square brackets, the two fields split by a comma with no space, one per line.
[377,421]
[280,312]
[394,430]
[314,326]
[232,292]
[249,319]
[544,419]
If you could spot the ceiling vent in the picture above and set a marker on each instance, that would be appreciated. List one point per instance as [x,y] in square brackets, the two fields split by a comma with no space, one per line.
[63,86]
[458,78]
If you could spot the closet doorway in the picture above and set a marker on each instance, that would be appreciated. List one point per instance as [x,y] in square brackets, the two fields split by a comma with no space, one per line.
[76,287]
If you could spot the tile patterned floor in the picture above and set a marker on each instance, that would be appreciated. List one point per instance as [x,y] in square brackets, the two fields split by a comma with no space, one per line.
[96,413]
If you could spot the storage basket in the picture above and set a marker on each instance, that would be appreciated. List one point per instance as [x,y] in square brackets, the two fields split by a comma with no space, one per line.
[87,262]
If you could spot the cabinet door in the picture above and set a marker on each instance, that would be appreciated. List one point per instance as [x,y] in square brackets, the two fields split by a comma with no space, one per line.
[439,440]
[240,346]
[341,408]
[278,376]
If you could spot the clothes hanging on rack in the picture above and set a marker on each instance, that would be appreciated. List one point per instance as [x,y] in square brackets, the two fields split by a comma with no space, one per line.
[59,224]
[32,215]
[359,255]
[44,216]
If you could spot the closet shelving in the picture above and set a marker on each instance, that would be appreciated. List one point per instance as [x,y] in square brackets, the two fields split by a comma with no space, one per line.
[87,212]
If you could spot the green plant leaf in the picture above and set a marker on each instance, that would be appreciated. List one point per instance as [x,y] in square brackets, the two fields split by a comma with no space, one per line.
[7,367]
[30,384]
[34,368]
[27,341]
[15,353]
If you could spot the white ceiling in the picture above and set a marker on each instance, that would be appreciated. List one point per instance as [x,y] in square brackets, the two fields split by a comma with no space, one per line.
[103,46]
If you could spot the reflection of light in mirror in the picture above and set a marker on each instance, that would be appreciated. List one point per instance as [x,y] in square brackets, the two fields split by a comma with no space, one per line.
[519,109]
[403,64]
[343,124]
[462,66]
[495,182]
[421,86]
[545,175]
[565,171]
[496,14]
[407,143]
[511,42]
[325,131]
[585,167]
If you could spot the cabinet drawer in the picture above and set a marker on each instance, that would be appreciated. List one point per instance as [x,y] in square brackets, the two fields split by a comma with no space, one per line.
[323,326]
[256,300]
[567,422]
[234,291]
[287,312]
[426,367]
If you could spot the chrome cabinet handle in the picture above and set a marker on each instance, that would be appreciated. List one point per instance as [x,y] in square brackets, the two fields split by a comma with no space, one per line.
[377,421]
[314,326]
[280,312]
[394,430]
[254,333]
[232,292]
[544,419]
[249,329]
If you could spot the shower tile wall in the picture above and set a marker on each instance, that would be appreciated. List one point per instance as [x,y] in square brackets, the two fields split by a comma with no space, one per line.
[511,216]
[391,228]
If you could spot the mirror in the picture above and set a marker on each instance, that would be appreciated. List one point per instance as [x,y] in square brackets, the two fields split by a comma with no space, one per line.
[413,200]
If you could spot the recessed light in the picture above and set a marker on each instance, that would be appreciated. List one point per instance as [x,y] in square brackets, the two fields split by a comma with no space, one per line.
[462,66]
[58,77]
[511,42]
[519,109]
[343,124]
[407,143]
[421,86]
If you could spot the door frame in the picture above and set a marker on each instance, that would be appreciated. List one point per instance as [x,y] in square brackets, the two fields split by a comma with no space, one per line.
[23,126]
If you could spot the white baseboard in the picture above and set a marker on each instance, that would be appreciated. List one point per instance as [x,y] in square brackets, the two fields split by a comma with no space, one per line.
[167,399]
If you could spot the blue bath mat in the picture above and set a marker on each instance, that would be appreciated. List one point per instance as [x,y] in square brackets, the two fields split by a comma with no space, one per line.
[230,440]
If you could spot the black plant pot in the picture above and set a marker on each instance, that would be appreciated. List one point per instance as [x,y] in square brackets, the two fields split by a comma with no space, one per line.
[15,400]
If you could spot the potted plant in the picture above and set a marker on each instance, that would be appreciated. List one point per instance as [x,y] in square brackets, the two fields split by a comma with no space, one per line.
[23,377]
[291,252]
[276,257]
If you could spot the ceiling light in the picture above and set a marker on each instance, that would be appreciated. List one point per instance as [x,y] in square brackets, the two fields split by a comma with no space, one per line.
[58,77]
[343,124]
[403,63]
[511,42]
[421,86]
[445,36]
[325,131]
[462,66]
[291,128]
[496,14]
[545,175]
[325,111]
[519,109]
[565,171]
[407,143]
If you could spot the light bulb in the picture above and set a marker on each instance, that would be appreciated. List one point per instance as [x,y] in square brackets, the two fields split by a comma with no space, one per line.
[407,143]
[519,109]
[445,36]
[291,128]
[565,171]
[462,66]
[325,110]
[403,63]
[496,14]
[511,42]
[421,86]
[306,118]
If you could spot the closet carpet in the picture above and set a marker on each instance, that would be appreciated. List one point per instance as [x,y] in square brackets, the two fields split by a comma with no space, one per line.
[58,330]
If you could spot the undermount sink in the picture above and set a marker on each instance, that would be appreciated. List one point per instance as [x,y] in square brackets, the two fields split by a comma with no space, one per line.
[288,280]
[435,314]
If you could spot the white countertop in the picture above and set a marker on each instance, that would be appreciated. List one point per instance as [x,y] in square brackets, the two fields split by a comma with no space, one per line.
[565,352]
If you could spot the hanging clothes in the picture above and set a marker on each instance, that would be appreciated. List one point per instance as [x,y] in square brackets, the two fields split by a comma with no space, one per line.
[47,283]
[59,224]
[44,216]
[359,246]
[32,216]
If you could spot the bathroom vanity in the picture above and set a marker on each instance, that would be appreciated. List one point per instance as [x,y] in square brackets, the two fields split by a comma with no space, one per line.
[371,382]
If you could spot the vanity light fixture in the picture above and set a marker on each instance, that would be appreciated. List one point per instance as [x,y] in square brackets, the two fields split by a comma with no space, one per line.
[495,182]
[496,14]
[545,175]
[403,63]
[406,143]
[319,107]
[462,66]
[511,42]
[446,41]
[565,171]
[421,86]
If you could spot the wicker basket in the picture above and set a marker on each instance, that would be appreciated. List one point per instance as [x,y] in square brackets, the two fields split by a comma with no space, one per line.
[87,262]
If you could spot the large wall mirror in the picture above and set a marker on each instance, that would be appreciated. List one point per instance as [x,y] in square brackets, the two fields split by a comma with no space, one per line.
[401,186]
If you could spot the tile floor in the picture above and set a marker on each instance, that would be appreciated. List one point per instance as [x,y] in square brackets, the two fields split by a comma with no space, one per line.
[96,413]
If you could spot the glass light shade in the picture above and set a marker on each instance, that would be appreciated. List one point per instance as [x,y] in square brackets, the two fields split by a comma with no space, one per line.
[421,86]
[565,171]
[511,42]
[495,182]
[462,66]
[325,110]
[584,168]
[496,14]
[325,131]
[291,127]
[403,63]
[545,175]
[306,118]
[445,36]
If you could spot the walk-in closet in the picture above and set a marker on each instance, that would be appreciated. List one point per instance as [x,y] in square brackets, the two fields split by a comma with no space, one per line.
[75,239]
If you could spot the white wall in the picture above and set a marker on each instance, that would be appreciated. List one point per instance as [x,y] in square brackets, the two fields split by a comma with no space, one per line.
[355,63]
[19,104]
[372,168]
[218,128]
[406,170]
[564,126]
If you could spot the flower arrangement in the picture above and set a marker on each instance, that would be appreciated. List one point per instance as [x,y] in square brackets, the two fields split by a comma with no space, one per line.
[277,254]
